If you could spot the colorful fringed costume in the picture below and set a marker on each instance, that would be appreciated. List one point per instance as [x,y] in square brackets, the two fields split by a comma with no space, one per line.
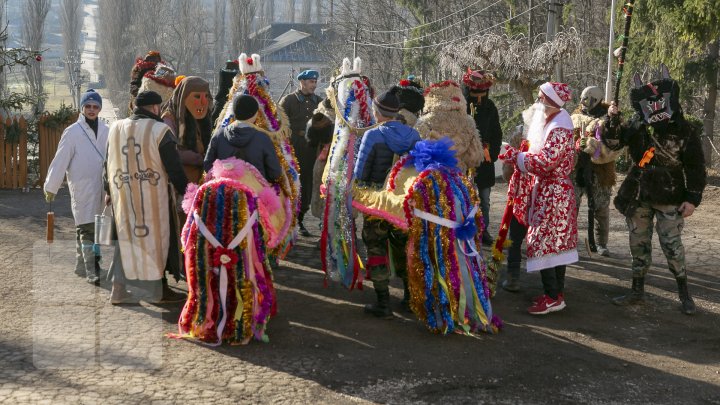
[271,119]
[449,289]
[230,289]
[353,104]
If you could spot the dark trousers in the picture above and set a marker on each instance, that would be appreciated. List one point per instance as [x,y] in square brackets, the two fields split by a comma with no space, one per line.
[306,156]
[517,235]
[553,280]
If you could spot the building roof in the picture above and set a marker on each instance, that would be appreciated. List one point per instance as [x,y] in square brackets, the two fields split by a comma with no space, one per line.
[292,42]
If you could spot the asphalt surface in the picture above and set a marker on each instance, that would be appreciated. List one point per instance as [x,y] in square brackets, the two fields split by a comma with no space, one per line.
[61,342]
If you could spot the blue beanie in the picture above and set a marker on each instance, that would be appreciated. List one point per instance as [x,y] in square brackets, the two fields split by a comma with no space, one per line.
[308,75]
[90,96]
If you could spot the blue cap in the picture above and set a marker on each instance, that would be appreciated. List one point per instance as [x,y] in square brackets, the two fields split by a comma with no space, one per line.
[90,96]
[308,75]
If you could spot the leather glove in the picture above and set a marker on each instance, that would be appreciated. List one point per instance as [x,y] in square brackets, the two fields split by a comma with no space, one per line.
[49,197]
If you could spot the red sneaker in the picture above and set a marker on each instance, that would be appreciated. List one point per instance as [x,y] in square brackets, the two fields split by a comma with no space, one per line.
[539,297]
[546,305]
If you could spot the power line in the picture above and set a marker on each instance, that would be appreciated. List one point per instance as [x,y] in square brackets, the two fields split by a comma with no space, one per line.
[421,25]
[448,27]
[388,46]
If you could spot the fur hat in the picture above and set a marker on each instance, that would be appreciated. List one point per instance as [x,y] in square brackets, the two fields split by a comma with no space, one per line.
[249,64]
[445,115]
[410,93]
[161,81]
[445,96]
[349,71]
[478,80]
[558,93]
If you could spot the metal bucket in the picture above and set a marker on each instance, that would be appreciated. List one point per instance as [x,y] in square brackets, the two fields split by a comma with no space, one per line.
[103,227]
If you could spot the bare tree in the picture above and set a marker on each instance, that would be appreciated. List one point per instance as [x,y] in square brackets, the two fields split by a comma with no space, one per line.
[306,11]
[71,18]
[290,11]
[116,56]
[34,15]
[219,34]
[187,36]
[242,12]
[146,17]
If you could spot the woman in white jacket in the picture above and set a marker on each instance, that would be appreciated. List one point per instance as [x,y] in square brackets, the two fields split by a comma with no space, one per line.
[81,156]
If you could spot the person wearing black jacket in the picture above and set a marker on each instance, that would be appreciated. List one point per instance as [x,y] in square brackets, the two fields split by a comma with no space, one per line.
[476,85]
[299,107]
[319,133]
[664,184]
[243,140]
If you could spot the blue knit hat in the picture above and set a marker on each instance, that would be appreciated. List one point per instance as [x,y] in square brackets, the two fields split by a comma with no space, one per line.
[308,75]
[90,96]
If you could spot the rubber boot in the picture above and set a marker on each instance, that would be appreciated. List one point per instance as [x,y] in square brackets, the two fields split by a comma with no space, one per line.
[89,256]
[381,308]
[688,305]
[636,296]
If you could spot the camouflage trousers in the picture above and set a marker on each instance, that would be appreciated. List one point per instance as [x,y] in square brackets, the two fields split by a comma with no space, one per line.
[600,208]
[669,226]
[385,246]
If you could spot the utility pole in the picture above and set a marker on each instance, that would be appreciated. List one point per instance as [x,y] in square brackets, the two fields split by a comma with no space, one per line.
[74,61]
[355,39]
[554,14]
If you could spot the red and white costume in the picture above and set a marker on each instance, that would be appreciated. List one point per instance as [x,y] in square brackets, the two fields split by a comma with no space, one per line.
[544,197]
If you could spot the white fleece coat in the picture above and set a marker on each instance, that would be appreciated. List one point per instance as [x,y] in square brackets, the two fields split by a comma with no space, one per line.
[80,156]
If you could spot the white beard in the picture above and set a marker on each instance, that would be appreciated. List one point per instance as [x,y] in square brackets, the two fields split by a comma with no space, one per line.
[534,118]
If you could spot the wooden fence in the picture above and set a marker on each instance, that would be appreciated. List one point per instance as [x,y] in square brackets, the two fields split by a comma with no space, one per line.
[13,153]
[49,138]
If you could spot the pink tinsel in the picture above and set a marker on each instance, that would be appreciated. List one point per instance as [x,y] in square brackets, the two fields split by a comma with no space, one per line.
[189,196]
[230,168]
[270,199]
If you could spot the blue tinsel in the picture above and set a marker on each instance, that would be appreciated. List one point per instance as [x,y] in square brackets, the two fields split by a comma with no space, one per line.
[429,154]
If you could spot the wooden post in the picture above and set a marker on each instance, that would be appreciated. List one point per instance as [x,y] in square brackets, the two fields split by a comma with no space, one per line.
[23,178]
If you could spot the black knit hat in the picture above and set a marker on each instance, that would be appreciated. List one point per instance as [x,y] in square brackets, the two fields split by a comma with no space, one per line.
[387,104]
[244,107]
[147,98]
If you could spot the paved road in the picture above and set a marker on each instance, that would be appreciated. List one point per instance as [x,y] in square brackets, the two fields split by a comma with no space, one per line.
[63,343]
[91,58]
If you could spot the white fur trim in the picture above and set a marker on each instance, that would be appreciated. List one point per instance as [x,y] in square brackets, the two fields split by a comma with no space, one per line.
[550,261]
[245,67]
[348,69]
[521,162]
[548,90]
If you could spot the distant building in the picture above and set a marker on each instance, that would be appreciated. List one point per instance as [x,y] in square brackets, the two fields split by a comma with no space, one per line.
[290,48]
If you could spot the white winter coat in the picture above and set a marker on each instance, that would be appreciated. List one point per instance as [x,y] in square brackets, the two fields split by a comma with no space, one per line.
[81,156]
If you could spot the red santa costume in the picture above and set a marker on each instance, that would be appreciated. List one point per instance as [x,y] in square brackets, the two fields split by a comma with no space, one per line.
[543,194]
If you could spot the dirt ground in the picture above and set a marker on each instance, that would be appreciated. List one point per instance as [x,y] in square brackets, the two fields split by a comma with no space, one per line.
[323,349]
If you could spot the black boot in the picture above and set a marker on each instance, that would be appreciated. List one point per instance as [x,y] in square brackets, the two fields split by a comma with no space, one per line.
[688,305]
[381,308]
[168,295]
[636,296]
[405,303]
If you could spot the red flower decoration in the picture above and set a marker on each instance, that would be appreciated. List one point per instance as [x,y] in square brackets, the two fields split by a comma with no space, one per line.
[404,82]
[249,61]
[38,58]
[223,256]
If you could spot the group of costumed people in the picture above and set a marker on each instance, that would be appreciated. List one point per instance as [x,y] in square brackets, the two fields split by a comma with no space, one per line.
[413,163]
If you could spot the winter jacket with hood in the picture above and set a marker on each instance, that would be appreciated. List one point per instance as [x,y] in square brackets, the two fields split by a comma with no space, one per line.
[378,149]
[244,141]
